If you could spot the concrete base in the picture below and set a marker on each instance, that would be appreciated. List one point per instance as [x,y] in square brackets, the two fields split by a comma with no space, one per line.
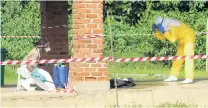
[99,85]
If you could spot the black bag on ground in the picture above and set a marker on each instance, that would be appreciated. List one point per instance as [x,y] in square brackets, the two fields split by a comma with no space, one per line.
[122,83]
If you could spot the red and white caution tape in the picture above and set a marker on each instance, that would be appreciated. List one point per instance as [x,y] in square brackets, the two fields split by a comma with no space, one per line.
[14,62]
[78,38]
[141,59]
[93,59]
[89,36]
[50,27]
[64,91]
[204,33]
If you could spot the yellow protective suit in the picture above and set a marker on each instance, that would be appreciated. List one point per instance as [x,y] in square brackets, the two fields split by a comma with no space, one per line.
[186,39]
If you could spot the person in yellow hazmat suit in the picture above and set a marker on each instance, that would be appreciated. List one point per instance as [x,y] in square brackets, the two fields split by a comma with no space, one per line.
[174,30]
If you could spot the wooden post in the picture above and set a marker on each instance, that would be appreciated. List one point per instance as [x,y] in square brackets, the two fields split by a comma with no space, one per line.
[207,46]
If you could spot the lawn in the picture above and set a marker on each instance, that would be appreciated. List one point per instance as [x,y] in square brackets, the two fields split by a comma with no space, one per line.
[147,71]
[138,71]
[10,76]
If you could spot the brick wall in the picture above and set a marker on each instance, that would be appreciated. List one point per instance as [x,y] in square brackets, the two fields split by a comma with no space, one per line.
[54,13]
[88,20]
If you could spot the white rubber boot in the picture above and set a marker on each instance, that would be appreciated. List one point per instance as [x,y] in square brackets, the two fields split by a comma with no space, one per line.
[171,79]
[187,81]
[26,85]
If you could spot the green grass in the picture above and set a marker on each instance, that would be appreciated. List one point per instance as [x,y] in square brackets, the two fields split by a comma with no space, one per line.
[147,71]
[10,75]
[162,105]
[138,71]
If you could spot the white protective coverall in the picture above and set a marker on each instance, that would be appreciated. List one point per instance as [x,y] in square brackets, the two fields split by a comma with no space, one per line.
[25,72]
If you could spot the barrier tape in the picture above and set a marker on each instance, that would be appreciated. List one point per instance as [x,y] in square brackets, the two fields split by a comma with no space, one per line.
[89,36]
[54,26]
[204,32]
[14,62]
[141,59]
[66,91]
[93,59]
[79,37]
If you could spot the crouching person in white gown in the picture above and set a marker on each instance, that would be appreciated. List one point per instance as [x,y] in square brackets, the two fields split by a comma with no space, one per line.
[30,74]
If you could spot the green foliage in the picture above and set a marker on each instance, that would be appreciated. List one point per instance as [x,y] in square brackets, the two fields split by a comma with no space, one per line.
[128,42]
[130,21]
[19,18]
[70,26]
[131,12]
[18,48]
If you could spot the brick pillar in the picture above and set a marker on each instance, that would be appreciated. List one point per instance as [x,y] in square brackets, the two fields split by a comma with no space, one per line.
[54,14]
[88,20]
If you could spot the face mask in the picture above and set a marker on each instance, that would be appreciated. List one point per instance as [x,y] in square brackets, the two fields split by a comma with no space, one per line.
[47,49]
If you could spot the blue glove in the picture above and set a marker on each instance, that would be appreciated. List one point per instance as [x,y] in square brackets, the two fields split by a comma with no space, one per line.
[36,74]
[154,27]
[161,29]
